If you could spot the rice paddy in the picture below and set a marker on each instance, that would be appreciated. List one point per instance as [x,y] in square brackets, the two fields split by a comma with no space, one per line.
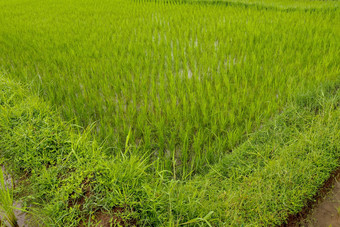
[176,89]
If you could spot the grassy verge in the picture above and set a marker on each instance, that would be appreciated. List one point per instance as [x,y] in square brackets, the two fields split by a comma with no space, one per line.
[69,179]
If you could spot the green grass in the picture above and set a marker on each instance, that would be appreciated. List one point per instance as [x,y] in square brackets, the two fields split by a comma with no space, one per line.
[186,88]
[163,113]
[69,177]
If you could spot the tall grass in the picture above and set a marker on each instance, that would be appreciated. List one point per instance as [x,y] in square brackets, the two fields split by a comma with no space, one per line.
[185,82]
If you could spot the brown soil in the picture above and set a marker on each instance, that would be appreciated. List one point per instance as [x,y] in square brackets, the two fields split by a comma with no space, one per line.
[324,211]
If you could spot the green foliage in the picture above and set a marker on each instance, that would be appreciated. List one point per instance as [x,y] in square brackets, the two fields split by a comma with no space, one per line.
[270,176]
[186,88]
[145,100]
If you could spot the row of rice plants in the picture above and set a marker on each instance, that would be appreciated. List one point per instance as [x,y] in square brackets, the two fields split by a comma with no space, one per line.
[181,84]
[263,4]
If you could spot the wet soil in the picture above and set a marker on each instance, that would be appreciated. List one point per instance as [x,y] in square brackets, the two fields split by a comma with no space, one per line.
[325,210]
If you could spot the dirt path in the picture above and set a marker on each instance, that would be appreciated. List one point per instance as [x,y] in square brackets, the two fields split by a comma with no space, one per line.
[325,212]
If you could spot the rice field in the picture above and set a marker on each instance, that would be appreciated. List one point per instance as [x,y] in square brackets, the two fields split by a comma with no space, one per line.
[178,84]
[184,82]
